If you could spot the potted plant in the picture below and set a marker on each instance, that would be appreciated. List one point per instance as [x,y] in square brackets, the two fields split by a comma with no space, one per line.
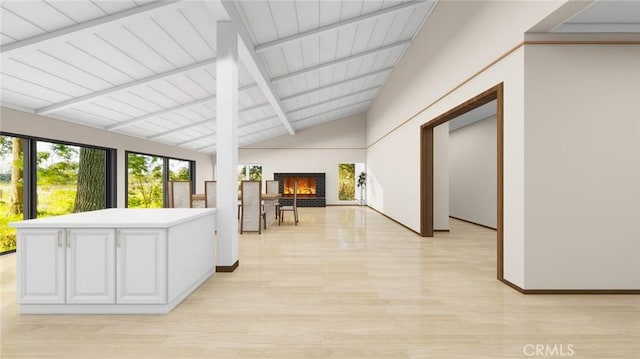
[362,182]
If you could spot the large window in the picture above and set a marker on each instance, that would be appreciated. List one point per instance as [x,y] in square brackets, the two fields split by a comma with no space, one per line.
[347,181]
[249,172]
[11,189]
[179,170]
[147,175]
[41,178]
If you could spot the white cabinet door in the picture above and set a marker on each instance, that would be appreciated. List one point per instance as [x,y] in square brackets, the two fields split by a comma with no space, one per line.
[40,261]
[141,261]
[91,274]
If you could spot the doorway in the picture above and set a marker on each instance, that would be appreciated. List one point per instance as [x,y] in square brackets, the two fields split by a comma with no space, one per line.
[427,168]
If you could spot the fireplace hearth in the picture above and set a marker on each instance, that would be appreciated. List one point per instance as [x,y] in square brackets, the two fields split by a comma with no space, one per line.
[311,188]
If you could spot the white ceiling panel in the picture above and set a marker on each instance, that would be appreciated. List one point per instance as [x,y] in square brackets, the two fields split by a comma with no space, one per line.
[32,87]
[111,7]
[103,111]
[258,15]
[339,72]
[57,66]
[196,113]
[5,39]
[307,14]
[244,77]
[22,100]
[149,94]
[292,55]
[380,30]
[275,61]
[351,9]
[401,20]
[17,28]
[371,6]
[137,49]
[177,94]
[204,23]
[330,12]
[40,14]
[284,88]
[255,94]
[82,60]
[21,69]
[605,16]
[300,83]
[143,129]
[88,118]
[363,35]
[283,12]
[310,48]
[178,27]
[416,20]
[353,69]
[131,110]
[140,75]
[103,48]
[173,120]
[344,46]
[78,11]
[245,102]
[194,89]
[328,43]
[149,32]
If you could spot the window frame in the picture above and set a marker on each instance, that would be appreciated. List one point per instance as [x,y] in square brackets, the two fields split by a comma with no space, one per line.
[30,171]
[165,174]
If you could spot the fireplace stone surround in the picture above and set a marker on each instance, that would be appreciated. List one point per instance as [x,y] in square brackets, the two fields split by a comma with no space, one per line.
[317,200]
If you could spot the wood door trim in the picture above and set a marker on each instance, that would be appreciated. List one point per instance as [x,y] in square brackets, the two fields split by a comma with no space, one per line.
[426,165]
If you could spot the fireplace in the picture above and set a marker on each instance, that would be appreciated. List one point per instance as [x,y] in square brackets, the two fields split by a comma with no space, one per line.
[306,186]
[311,188]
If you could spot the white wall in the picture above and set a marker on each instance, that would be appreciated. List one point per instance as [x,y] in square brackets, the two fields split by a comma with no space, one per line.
[582,166]
[23,123]
[316,149]
[441,177]
[473,172]
[581,231]
[464,49]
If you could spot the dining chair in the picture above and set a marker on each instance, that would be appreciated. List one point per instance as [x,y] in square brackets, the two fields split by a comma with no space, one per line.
[210,194]
[179,194]
[273,186]
[293,208]
[252,216]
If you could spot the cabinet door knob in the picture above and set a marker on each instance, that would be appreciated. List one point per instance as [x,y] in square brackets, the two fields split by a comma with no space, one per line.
[118,239]
[68,239]
[59,239]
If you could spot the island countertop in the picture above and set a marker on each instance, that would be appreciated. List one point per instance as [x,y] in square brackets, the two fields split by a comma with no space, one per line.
[119,217]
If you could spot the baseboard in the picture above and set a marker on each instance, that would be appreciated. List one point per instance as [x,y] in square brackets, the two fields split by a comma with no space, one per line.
[373,209]
[477,224]
[228,269]
[570,291]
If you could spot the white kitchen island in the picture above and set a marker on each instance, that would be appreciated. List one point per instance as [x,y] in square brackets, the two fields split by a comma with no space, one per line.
[114,261]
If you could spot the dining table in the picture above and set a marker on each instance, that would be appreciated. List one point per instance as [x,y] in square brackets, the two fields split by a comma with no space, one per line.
[269,201]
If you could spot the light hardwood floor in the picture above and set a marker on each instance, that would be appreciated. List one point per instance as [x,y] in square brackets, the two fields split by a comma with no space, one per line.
[345,283]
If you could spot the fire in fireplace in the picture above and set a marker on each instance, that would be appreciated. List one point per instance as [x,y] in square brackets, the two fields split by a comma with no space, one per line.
[311,188]
[306,186]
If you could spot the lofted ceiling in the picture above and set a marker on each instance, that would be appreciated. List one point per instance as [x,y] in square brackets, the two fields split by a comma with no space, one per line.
[147,68]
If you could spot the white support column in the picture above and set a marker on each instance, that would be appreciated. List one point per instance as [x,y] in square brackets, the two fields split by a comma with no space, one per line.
[227,144]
